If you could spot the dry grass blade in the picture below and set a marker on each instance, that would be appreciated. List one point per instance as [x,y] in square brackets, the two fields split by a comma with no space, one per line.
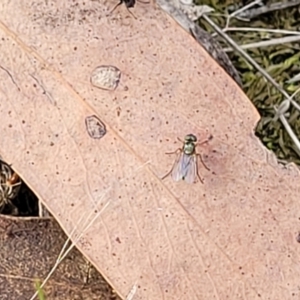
[271,7]
[33,244]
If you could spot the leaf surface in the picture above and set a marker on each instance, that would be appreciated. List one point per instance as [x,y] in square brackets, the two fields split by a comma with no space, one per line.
[231,237]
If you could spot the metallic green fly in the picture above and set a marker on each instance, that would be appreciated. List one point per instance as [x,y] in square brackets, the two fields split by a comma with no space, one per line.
[185,166]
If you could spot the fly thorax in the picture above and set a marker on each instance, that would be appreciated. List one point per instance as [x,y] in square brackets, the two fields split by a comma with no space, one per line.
[189,148]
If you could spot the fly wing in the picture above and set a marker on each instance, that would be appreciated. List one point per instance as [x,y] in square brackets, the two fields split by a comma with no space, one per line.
[177,168]
[191,170]
[182,168]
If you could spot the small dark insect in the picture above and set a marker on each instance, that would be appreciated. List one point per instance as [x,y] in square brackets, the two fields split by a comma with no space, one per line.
[95,127]
[185,166]
[128,4]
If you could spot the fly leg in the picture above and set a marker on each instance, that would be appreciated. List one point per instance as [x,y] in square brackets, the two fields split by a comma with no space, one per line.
[201,180]
[176,151]
[130,12]
[199,155]
[174,164]
[205,141]
[127,7]
[121,1]
[197,168]
[206,167]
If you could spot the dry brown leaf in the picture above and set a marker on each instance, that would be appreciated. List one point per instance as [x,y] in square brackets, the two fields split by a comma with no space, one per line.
[232,237]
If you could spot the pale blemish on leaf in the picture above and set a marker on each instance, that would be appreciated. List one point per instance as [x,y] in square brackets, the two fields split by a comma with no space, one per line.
[106,77]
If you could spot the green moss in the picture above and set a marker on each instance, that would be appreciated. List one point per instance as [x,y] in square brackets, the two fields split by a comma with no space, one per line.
[281,61]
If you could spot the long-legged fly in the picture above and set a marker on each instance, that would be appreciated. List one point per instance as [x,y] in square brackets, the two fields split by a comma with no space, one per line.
[185,166]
